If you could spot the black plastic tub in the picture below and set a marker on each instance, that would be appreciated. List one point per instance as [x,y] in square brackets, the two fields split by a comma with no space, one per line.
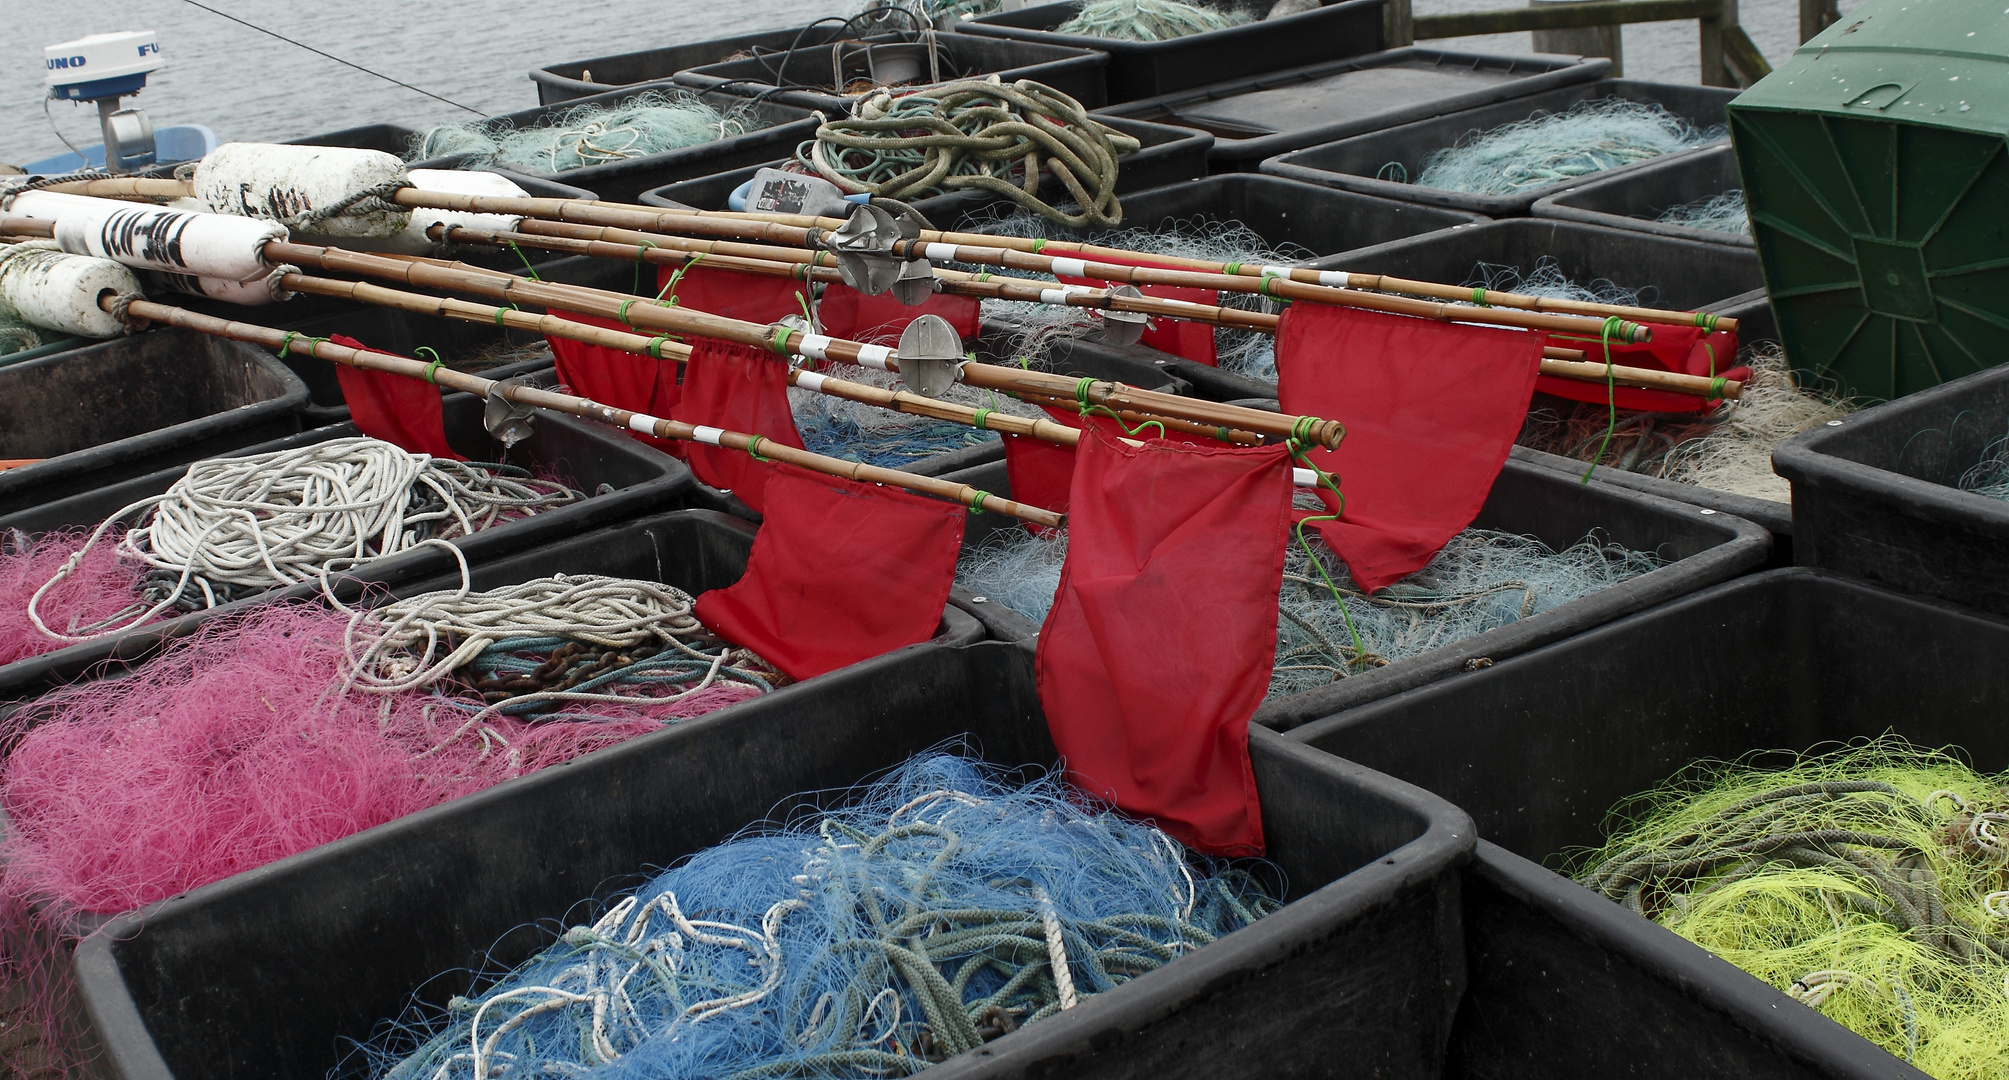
[1775,518]
[1270,114]
[262,973]
[568,80]
[397,140]
[1539,747]
[1701,546]
[644,480]
[807,77]
[623,181]
[1142,69]
[1635,197]
[1357,163]
[1167,155]
[1876,494]
[1679,275]
[120,408]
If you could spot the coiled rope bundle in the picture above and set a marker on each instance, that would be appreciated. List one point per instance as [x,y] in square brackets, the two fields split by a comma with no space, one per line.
[976,135]
[943,909]
[546,641]
[233,527]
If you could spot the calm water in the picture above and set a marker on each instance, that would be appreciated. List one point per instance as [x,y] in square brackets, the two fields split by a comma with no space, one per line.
[248,86]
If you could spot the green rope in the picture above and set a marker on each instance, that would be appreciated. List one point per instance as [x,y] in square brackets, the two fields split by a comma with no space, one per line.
[641,248]
[1479,296]
[1088,408]
[981,418]
[753,448]
[529,271]
[655,346]
[977,503]
[779,343]
[1611,397]
[1300,451]
[432,369]
[670,287]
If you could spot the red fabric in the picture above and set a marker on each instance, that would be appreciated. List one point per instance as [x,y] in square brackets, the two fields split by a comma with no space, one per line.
[1039,473]
[1194,341]
[737,388]
[1430,409]
[626,380]
[1684,350]
[840,572]
[844,312]
[734,294]
[399,410]
[1160,642]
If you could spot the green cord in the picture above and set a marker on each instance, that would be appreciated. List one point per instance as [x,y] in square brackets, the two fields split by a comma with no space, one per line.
[977,504]
[980,418]
[1232,269]
[780,342]
[432,369]
[1081,389]
[753,448]
[1479,296]
[670,287]
[641,248]
[655,345]
[1299,451]
[622,312]
[1611,397]
[529,270]
[1707,321]
[286,343]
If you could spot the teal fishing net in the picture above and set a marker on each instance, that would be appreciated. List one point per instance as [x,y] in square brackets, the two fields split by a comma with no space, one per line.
[1725,213]
[18,336]
[944,906]
[1150,20]
[855,431]
[651,122]
[1990,475]
[1590,137]
[1482,580]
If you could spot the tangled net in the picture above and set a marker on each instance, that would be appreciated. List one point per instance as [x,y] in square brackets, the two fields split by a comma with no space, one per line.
[1725,213]
[975,135]
[17,336]
[942,908]
[1867,882]
[881,16]
[1148,20]
[651,122]
[244,742]
[1552,147]
[1728,449]
[855,431]
[235,527]
[1482,580]
[1242,352]
[1990,475]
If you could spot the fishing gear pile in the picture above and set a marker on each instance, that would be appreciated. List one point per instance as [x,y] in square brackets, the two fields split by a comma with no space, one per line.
[1870,883]
[856,431]
[1010,140]
[1725,213]
[651,122]
[1590,137]
[232,528]
[943,907]
[1480,581]
[1149,20]
[292,725]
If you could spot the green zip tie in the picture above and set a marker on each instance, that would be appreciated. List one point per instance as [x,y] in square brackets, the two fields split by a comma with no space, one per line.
[432,369]
[977,503]
[1611,396]
[982,416]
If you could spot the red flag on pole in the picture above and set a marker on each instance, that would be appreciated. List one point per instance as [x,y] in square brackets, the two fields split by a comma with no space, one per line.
[1430,409]
[840,572]
[625,380]
[735,388]
[1684,350]
[401,411]
[1180,337]
[1160,642]
[847,313]
[733,294]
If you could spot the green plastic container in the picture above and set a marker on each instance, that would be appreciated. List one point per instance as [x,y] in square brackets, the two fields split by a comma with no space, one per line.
[1875,168]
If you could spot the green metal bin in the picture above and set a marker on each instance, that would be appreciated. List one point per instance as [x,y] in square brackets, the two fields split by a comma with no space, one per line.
[1874,166]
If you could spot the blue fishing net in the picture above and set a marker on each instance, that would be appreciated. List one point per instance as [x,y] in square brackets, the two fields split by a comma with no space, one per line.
[855,431]
[1549,148]
[1725,213]
[941,908]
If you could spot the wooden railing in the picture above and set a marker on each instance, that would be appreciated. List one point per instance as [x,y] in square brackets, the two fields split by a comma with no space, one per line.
[1728,56]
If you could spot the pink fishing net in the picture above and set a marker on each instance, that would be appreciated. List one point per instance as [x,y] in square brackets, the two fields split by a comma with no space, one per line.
[101,587]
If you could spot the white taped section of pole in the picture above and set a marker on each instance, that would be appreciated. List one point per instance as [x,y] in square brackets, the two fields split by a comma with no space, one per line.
[334,191]
[55,290]
[154,237]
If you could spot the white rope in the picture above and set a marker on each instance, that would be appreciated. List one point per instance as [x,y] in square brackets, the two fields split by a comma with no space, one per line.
[269,520]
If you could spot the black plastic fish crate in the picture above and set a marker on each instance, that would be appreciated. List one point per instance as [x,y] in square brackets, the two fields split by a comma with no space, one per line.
[568,80]
[807,77]
[263,973]
[1634,198]
[1270,114]
[1538,748]
[1358,163]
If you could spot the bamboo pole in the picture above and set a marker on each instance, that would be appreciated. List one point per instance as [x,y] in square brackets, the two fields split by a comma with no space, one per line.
[799,262]
[790,229]
[668,320]
[585,408]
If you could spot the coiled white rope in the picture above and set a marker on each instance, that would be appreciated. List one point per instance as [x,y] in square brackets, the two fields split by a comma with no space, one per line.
[262,521]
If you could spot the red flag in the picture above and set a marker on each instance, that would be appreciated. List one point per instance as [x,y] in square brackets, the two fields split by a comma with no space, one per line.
[736,388]
[845,312]
[734,294]
[1430,409]
[1194,341]
[1040,474]
[399,410]
[1684,350]
[626,380]
[840,572]
[1160,642]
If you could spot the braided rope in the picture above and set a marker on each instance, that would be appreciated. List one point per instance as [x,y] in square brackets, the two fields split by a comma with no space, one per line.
[976,135]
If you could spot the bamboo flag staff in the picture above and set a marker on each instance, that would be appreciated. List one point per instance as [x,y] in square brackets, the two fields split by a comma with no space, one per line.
[533,397]
[1370,291]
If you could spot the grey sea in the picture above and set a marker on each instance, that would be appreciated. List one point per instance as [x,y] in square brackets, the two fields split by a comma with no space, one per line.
[245,85]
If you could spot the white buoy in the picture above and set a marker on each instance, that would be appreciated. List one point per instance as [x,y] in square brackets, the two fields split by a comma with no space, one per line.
[254,293]
[330,190]
[52,289]
[414,241]
[153,237]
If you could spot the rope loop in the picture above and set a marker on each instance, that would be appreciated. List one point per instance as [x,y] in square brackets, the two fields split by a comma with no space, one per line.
[977,503]
[432,369]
